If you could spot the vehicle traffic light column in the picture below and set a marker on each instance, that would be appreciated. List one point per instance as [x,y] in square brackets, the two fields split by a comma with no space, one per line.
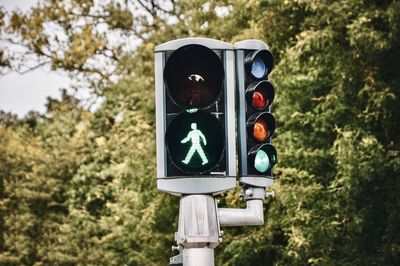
[255,123]
[195,112]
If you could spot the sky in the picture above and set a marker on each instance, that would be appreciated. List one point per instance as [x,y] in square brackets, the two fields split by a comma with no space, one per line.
[21,93]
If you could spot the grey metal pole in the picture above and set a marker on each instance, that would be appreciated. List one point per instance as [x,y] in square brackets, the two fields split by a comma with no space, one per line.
[198,230]
[198,256]
[200,220]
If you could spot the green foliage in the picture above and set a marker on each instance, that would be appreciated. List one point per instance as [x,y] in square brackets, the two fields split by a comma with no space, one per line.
[78,187]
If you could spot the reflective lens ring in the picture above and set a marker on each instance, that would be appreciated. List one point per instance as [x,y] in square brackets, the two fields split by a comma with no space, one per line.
[260,94]
[194,76]
[262,157]
[261,126]
[259,63]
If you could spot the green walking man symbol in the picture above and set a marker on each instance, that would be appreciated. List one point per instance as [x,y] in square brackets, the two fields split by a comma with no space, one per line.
[195,136]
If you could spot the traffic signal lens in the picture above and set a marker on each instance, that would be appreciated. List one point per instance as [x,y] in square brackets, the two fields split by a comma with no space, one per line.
[260,126]
[194,76]
[259,63]
[260,99]
[195,141]
[260,131]
[260,94]
[262,157]
[261,161]
[258,68]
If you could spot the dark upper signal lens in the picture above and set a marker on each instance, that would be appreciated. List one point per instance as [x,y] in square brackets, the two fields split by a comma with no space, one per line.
[194,76]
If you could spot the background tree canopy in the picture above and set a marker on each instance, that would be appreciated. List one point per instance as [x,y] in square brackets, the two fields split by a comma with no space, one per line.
[78,187]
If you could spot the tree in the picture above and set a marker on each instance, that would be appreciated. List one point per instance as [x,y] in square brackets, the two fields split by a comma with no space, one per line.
[337,139]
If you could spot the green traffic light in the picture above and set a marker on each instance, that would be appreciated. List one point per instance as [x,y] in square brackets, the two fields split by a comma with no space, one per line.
[195,136]
[261,161]
[195,141]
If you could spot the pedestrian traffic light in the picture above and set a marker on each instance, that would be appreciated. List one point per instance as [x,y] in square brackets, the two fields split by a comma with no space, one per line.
[195,116]
[256,124]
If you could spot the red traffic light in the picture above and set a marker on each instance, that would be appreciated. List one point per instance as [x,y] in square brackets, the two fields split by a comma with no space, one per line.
[260,99]
[260,94]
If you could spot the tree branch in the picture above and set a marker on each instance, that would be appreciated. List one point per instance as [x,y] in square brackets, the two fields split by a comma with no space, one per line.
[26,70]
